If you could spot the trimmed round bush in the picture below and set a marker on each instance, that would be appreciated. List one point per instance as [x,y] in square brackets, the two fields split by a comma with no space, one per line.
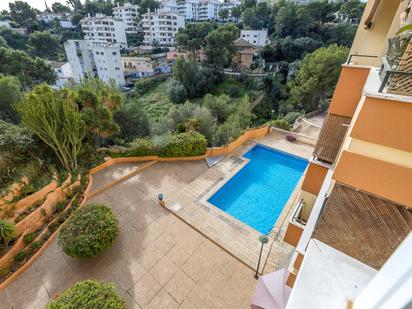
[89,294]
[89,232]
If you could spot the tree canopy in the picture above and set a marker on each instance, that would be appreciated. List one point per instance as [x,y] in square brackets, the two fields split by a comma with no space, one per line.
[44,44]
[30,71]
[317,76]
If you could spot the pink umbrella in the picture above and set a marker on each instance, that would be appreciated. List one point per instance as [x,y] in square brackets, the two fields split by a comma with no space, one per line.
[271,291]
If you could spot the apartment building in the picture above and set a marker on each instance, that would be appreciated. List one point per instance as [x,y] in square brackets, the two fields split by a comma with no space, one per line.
[63,72]
[258,38]
[160,28]
[209,10]
[128,13]
[355,204]
[105,29]
[138,67]
[95,59]
[189,9]
[201,10]
[169,6]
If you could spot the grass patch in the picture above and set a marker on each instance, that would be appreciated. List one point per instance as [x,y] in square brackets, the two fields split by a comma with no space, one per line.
[155,102]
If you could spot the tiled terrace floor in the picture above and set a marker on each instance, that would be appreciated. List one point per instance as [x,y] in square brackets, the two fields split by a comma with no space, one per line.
[191,204]
[157,262]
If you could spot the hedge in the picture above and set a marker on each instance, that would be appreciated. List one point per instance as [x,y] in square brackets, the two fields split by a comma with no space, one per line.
[187,144]
[89,294]
[89,232]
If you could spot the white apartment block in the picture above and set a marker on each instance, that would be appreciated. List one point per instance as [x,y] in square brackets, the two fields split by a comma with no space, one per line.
[209,10]
[128,13]
[161,28]
[96,59]
[108,62]
[80,56]
[105,29]
[63,72]
[169,6]
[189,9]
[258,38]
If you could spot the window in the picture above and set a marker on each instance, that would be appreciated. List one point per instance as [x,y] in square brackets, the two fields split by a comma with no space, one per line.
[114,53]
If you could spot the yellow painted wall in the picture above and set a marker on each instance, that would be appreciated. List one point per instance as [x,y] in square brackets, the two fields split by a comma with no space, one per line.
[380,152]
[309,200]
[373,41]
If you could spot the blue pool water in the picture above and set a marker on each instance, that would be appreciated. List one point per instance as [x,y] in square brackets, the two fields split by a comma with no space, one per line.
[257,194]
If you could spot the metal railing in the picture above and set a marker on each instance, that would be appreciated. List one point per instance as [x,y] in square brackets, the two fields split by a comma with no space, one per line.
[296,214]
[361,56]
[388,74]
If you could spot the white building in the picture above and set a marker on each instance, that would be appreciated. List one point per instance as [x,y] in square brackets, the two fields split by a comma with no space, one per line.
[138,67]
[209,10]
[161,28]
[96,59]
[62,18]
[128,13]
[63,72]
[256,37]
[108,62]
[105,29]
[169,6]
[189,9]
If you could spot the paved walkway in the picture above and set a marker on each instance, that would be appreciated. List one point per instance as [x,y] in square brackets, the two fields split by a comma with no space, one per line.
[157,262]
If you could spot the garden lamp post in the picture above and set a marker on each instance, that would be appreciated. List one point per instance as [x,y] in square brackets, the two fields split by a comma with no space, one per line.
[263,240]
[161,197]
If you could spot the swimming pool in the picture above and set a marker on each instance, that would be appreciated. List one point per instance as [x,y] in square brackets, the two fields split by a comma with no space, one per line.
[257,194]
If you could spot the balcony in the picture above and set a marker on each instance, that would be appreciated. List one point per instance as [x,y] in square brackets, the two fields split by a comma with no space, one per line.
[361,225]
[396,70]
[331,138]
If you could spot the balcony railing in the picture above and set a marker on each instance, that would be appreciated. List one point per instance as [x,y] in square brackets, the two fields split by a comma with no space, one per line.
[396,70]
[331,138]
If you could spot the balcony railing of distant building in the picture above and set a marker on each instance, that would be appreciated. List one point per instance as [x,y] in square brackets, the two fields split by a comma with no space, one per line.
[396,69]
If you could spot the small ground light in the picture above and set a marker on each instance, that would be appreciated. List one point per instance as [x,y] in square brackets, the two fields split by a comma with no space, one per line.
[161,197]
[263,240]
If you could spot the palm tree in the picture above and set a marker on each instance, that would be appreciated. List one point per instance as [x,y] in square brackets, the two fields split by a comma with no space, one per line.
[7,233]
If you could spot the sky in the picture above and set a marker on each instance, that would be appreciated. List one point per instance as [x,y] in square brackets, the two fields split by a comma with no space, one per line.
[38,4]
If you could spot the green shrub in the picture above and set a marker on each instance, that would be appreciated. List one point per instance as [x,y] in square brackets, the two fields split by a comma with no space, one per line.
[185,144]
[144,85]
[292,116]
[28,238]
[4,271]
[19,257]
[281,124]
[89,294]
[89,231]
[141,147]
[36,245]
[233,91]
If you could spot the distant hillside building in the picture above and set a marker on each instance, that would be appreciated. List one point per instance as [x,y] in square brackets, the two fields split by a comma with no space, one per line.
[62,18]
[96,59]
[105,29]
[258,38]
[245,51]
[128,13]
[138,67]
[169,6]
[63,72]
[209,10]
[160,28]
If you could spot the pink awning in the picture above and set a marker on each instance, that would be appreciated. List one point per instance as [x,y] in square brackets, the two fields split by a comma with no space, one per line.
[271,291]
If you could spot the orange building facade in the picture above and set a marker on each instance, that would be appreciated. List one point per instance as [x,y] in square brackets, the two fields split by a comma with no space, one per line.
[357,193]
